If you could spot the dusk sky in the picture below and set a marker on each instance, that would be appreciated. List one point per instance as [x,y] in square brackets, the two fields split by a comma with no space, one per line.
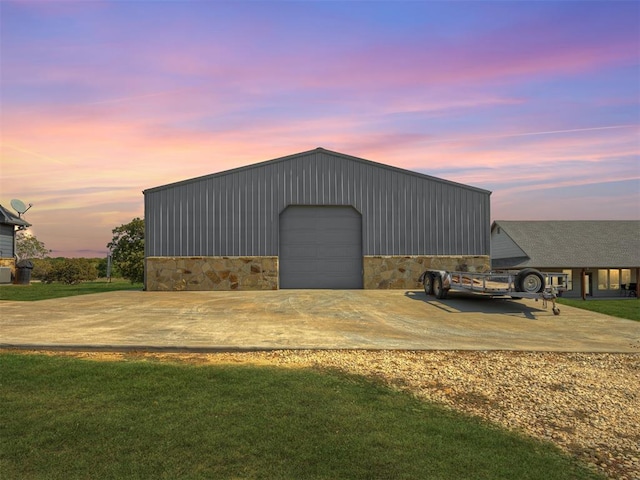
[538,102]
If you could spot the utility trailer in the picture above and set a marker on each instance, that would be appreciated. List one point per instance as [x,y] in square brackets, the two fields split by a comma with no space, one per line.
[527,283]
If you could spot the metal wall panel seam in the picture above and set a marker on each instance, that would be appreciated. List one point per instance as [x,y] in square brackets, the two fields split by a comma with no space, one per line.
[401,213]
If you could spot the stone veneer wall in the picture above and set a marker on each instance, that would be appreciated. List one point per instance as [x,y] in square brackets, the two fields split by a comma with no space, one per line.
[261,273]
[211,273]
[11,263]
[385,272]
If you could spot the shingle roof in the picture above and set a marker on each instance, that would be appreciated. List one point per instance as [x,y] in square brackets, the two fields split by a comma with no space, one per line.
[577,244]
[10,219]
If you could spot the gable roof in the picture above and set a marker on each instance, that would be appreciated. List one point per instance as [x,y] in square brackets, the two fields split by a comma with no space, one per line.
[574,243]
[8,218]
[307,153]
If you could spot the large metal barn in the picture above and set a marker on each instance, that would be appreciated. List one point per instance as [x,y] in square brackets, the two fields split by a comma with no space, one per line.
[316,219]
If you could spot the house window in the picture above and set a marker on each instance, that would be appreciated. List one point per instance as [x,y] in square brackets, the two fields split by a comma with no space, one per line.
[603,279]
[569,279]
[612,278]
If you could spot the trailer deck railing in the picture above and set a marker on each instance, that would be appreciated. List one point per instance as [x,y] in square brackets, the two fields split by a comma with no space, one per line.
[527,283]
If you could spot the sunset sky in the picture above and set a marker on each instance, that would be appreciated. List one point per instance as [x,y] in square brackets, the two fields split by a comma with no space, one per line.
[538,102]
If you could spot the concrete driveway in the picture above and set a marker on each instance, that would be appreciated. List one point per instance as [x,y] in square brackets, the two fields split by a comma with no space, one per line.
[309,319]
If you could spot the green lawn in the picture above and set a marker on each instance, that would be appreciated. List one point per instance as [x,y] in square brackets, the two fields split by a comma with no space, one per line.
[65,418]
[624,308]
[42,291]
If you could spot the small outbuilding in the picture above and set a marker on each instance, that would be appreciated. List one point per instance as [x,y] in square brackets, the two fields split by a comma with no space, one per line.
[9,224]
[316,219]
[601,258]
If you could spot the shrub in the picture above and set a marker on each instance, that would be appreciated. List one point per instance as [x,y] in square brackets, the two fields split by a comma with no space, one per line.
[41,268]
[67,270]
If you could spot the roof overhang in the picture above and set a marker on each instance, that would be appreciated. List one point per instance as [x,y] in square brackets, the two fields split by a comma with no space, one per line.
[9,218]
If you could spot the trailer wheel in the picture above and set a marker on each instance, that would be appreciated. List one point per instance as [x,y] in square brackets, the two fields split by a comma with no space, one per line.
[428,284]
[438,289]
[529,281]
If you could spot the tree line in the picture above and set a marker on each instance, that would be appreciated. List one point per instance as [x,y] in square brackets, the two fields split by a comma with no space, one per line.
[127,258]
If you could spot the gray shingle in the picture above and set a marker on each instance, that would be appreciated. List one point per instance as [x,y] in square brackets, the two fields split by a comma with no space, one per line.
[575,243]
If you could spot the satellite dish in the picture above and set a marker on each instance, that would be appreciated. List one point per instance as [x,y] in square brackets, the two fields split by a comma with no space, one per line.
[19,206]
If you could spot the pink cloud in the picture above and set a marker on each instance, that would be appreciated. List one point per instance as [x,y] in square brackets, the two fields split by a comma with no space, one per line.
[93,171]
[120,109]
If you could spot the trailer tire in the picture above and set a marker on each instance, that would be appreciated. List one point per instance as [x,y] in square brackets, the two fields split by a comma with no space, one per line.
[529,280]
[438,289]
[428,284]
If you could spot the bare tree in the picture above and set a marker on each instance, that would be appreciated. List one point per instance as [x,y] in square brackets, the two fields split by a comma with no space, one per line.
[29,247]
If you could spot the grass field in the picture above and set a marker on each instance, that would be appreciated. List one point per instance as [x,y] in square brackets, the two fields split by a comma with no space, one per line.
[70,418]
[624,308]
[42,291]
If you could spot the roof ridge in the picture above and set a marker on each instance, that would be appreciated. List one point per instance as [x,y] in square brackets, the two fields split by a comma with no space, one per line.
[309,152]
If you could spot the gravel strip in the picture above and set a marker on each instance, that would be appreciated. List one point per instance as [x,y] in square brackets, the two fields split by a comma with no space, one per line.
[587,404]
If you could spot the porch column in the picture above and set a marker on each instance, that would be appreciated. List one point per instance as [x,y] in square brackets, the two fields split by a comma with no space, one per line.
[637,283]
[583,277]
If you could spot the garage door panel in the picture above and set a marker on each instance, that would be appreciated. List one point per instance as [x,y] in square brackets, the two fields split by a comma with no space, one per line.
[302,236]
[297,251]
[334,237]
[302,267]
[337,269]
[342,253]
[339,223]
[320,247]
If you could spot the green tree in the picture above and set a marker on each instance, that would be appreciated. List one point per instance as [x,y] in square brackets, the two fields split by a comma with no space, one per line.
[29,247]
[127,250]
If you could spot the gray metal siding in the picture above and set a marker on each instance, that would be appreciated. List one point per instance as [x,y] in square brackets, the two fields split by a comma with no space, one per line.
[6,240]
[236,213]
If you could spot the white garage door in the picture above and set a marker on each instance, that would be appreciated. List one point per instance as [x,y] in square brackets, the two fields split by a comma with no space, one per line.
[320,247]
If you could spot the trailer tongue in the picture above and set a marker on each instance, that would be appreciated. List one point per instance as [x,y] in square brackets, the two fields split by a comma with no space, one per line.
[527,283]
